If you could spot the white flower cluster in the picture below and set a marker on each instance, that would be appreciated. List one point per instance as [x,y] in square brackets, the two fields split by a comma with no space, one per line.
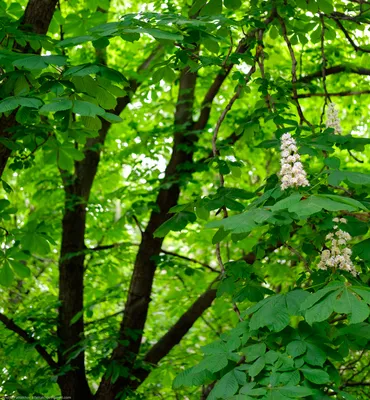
[332,119]
[339,255]
[292,173]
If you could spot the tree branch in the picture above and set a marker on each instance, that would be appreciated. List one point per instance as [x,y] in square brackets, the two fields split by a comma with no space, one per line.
[243,46]
[11,325]
[294,70]
[335,70]
[174,335]
[348,37]
[338,94]
[170,253]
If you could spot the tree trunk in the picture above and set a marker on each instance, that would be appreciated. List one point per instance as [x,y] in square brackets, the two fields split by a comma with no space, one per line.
[71,271]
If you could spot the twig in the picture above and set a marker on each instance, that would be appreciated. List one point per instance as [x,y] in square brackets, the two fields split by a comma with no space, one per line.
[348,37]
[299,255]
[294,70]
[11,325]
[170,253]
[323,69]
[230,49]
[354,157]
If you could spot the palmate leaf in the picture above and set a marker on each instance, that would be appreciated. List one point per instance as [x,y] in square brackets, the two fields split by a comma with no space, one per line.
[274,312]
[337,297]
[35,62]
[228,385]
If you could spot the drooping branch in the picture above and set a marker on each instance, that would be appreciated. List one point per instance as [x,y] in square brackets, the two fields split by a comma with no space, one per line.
[12,326]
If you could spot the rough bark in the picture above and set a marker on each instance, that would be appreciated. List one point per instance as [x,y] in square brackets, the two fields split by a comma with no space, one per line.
[38,15]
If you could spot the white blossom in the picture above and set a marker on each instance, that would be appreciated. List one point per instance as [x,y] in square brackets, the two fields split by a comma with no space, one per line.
[332,119]
[292,172]
[338,255]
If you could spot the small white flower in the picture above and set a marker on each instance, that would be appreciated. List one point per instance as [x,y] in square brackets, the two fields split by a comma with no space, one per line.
[338,255]
[332,119]
[292,173]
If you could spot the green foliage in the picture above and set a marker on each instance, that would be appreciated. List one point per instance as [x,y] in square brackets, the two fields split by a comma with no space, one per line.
[280,327]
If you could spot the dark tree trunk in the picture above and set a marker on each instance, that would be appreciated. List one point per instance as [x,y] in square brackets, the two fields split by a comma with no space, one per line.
[71,271]
[38,15]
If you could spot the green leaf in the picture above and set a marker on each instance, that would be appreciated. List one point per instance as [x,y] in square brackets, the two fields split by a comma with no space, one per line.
[254,351]
[35,62]
[323,309]
[9,104]
[176,223]
[30,102]
[326,6]
[20,269]
[241,223]
[362,250]
[296,348]
[315,375]
[113,118]
[6,274]
[313,298]
[105,99]
[314,355]
[86,109]
[212,363]
[160,34]
[225,387]
[232,4]
[256,367]
[349,304]
[287,202]
[272,312]
[56,105]
[345,200]
[213,7]
[70,42]
[295,391]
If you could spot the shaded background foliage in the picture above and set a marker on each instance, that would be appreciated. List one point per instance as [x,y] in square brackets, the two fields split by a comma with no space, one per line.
[106,141]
